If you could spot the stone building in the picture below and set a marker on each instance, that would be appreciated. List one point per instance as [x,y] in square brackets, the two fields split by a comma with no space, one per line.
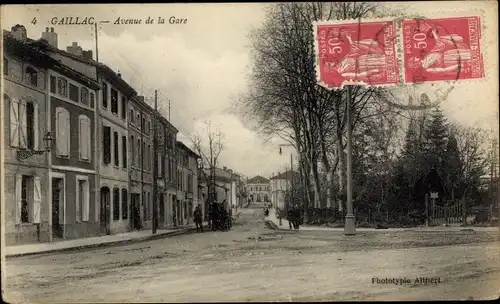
[51,191]
[258,189]
[140,158]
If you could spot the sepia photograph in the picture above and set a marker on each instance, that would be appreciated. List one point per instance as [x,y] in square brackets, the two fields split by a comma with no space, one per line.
[250,152]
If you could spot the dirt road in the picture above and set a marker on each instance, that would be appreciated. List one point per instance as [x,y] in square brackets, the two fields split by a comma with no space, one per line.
[252,263]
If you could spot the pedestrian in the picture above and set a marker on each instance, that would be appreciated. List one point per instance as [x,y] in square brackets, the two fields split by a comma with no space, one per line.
[297,218]
[230,218]
[215,218]
[266,212]
[198,220]
[290,217]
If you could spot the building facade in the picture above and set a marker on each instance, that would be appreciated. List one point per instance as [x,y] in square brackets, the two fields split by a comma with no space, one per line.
[187,184]
[258,189]
[280,185]
[53,190]
[140,156]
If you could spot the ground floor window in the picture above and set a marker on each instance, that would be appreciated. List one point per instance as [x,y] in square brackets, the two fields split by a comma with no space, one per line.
[116,204]
[83,200]
[25,198]
[124,204]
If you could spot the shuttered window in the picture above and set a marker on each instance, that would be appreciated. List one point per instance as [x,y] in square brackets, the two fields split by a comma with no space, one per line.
[74,93]
[124,151]
[106,144]
[82,199]
[28,199]
[85,137]
[62,132]
[116,148]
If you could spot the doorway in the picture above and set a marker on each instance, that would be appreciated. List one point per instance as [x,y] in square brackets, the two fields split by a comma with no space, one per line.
[57,212]
[161,218]
[105,211]
[174,210]
[136,210]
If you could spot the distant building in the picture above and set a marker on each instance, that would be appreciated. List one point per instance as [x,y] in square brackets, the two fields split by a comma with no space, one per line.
[187,189]
[258,189]
[281,184]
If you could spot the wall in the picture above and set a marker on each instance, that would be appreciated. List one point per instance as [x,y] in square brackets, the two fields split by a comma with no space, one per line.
[84,68]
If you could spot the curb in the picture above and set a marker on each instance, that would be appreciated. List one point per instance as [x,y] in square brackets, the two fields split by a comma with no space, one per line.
[107,244]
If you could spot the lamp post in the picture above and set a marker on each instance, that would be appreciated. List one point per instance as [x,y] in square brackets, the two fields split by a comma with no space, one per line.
[48,140]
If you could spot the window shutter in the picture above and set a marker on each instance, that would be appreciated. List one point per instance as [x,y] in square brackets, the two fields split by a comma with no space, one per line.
[14,123]
[19,181]
[84,141]
[85,204]
[35,126]
[62,138]
[23,125]
[79,200]
[37,200]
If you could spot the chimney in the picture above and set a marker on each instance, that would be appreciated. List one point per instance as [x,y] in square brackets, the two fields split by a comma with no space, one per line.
[50,36]
[75,49]
[87,54]
[141,98]
[19,32]
[119,74]
[225,168]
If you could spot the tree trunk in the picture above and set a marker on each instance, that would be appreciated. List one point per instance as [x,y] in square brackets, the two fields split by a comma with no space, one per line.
[341,169]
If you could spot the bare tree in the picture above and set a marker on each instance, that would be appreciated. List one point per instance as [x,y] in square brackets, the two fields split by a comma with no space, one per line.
[209,146]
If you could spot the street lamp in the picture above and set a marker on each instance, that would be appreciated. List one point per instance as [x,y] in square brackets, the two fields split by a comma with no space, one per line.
[27,153]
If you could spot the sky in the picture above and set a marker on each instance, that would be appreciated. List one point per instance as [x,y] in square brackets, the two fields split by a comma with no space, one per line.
[201,65]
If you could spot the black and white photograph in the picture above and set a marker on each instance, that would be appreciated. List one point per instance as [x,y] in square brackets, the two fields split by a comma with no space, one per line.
[250,152]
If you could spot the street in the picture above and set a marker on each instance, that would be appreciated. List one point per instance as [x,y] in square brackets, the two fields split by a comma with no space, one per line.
[254,263]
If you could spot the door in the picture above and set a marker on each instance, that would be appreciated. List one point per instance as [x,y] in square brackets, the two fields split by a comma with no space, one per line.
[161,217]
[105,210]
[57,231]
[174,210]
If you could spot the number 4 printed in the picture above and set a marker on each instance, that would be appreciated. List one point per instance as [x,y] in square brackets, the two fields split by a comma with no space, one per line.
[33,21]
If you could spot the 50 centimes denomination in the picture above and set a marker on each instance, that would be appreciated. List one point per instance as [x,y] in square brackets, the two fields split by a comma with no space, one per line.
[355,52]
[442,49]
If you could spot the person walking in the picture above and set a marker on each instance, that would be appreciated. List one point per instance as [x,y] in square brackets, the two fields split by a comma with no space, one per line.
[290,217]
[297,217]
[198,218]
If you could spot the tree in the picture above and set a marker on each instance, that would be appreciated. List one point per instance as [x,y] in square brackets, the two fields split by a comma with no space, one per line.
[436,133]
[452,165]
[209,152]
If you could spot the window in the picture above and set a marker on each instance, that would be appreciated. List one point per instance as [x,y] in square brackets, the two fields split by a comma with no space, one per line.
[148,157]
[116,204]
[73,92]
[116,148]
[84,96]
[5,67]
[30,128]
[150,207]
[139,154]
[124,107]
[25,199]
[92,100]
[148,129]
[144,206]
[28,199]
[132,116]
[114,101]
[145,157]
[106,145]
[138,119]
[32,76]
[82,199]
[85,137]
[124,151]
[62,132]
[104,95]
[53,84]
[159,163]
[124,204]
[62,86]
[132,156]
[143,125]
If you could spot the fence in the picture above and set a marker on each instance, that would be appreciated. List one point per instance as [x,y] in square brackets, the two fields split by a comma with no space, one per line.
[451,213]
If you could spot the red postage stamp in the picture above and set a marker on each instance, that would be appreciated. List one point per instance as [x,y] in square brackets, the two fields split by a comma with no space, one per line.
[356,52]
[442,49]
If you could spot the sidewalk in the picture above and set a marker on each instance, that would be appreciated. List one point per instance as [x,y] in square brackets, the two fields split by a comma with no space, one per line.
[107,240]
[272,217]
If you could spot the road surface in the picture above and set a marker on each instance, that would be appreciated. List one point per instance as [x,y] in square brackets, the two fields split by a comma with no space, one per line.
[253,263]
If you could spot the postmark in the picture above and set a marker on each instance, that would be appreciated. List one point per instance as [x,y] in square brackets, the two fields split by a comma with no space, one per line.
[353,52]
[442,49]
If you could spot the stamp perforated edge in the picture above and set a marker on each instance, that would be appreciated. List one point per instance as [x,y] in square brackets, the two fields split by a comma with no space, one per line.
[447,15]
[315,25]
[399,52]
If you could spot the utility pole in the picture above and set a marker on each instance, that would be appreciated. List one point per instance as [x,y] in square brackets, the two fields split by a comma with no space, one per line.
[169,110]
[96,44]
[292,197]
[155,165]
[350,226]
